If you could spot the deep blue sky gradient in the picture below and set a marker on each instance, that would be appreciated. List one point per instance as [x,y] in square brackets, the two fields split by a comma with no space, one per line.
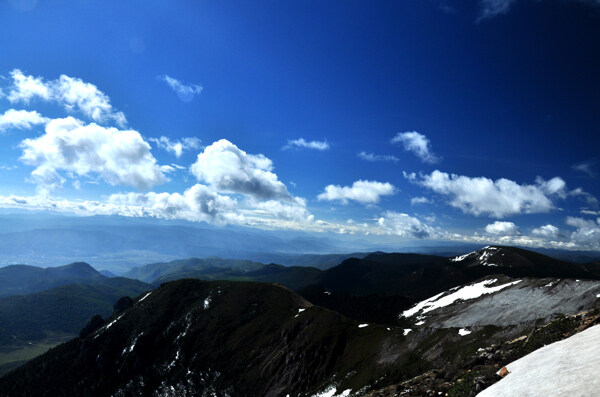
[515,96]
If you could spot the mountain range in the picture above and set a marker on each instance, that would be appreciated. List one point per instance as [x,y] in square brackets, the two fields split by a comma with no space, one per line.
[380,325]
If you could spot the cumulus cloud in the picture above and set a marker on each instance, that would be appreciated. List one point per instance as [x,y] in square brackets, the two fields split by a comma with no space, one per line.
[24,88]
[20,119]
[418,144]
[119,157]
[587,233]
[364,192]
[503,229]
[198,203]
[377,157]
[229,169]
[294,210]
[185,92]
[546,231]
[419,200]
[404,225]
[72,93]
[302,143]
[177,147]
[498,198]
[75,93]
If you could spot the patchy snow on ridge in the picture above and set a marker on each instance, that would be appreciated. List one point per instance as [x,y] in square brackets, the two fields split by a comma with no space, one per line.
[132,346]
[406,331]
[465,293]
[207,303]
[464,332]
[462,257]
[145,296]
[330,392]
[107,326]
[363,325]
[565,368]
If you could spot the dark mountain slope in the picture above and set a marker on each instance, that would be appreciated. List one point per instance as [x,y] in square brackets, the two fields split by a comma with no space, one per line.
[22,279]
[517,262]
[191,337]
[420,276]
[293,277]
[381,285]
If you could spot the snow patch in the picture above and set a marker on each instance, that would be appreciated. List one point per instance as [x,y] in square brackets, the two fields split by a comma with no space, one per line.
[145,296]
[363,325]
[550,284]
[329,392]
[132,346]
[420,322]
[301,310]
[101,330]
[597,295]
[407,331]
[172,364]
[565,368]
[461,257]
[463,332]
[207,303]
[465,293]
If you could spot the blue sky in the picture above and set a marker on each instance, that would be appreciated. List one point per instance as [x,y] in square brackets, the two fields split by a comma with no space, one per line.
[432,120]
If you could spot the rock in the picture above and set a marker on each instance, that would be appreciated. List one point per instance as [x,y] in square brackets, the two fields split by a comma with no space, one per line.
[503,372]
[95,322]
[122,304]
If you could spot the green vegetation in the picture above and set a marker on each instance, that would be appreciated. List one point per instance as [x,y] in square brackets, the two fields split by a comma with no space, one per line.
[22,279]
[13,356]
[63,310]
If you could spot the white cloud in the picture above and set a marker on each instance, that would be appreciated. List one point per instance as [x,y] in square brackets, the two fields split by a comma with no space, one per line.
[587,167]
[25,88]
[417,143]
[229,169]
[493,8]
[118,157]
[587,233]
[176,147]
[302,143]
[294,210]
[185,92]
[20,119]
[546,231]
[74,93]
[198,203]
[70,92]
[419,200]
[364,192]
[377,157]
[498,198]
[503,229]
[589,198]
[404,225]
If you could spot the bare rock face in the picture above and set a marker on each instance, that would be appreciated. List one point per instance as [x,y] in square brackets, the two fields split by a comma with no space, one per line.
[503,372]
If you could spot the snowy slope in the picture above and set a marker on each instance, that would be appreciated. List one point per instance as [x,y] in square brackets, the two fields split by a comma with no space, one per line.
[566,368]
[503,301]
